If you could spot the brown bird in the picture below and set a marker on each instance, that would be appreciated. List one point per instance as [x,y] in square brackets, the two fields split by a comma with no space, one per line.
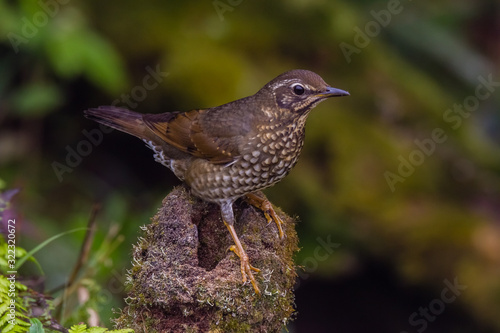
[230,151]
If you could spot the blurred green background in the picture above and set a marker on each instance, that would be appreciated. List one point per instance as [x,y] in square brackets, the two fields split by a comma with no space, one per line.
[403,176]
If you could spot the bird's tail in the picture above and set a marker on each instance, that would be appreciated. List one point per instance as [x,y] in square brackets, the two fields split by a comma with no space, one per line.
[119,118]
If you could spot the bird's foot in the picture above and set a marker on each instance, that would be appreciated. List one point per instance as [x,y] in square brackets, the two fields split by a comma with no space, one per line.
[246,268]
[267,208]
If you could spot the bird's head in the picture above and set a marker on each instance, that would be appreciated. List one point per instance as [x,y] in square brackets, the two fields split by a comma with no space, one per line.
[298,91]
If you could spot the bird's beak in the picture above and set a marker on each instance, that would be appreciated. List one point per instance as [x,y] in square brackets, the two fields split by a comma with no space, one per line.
[332,92]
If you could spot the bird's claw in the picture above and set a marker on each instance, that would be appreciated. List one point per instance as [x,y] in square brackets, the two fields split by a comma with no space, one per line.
[267,208]
[246,268]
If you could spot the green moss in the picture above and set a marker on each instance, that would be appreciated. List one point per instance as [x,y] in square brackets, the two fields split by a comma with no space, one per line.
[185,280]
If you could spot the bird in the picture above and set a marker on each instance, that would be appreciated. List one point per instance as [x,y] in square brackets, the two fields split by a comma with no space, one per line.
[231,151]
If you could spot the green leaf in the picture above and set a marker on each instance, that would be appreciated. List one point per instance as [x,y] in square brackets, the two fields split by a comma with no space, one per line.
[36,326]
[103,65]
[81,328]
[81,52]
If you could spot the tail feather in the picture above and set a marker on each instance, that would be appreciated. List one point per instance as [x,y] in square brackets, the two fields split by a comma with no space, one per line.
[119,118]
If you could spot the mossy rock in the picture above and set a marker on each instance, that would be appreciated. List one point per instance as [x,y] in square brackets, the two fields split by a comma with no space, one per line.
[184,279]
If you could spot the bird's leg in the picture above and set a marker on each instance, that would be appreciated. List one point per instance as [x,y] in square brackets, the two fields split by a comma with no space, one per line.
[246,268]
[267,208]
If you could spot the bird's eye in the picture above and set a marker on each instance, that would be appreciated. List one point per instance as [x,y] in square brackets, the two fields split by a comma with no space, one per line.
[298,89]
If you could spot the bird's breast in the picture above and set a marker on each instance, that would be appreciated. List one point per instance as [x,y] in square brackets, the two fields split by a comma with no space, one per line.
[265,159]
[273,151]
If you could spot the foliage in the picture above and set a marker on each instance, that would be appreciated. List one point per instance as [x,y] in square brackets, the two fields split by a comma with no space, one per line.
[82,328]
[66,47]
[12,320]
[37,327]
[13,312]
[18,320]
[25,300]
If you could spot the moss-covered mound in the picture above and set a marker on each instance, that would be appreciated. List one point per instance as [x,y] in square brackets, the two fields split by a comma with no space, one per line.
[184,279]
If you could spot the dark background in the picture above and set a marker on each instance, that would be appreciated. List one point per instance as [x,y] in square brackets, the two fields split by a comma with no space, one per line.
[397,241]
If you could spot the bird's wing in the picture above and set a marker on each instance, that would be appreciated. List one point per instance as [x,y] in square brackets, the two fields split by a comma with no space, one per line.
[185,131]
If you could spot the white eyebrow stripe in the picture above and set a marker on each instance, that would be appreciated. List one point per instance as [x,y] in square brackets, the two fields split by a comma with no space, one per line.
[291,82]
[283,83]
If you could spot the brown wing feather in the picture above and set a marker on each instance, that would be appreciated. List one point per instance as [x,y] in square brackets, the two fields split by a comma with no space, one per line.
[184,132]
